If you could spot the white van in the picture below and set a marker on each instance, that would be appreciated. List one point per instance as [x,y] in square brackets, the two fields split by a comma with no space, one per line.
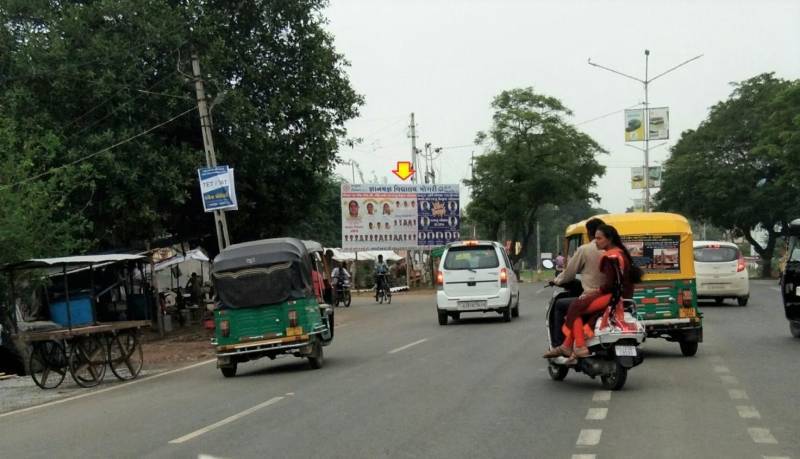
[476,276]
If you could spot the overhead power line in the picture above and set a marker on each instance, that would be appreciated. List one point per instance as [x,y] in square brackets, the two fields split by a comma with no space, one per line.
[99,152]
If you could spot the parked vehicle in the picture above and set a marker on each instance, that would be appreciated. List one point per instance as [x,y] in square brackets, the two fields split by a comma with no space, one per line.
[666,299]
[268,306]
[476,276]
[721,272]
[613,342]
[790,280]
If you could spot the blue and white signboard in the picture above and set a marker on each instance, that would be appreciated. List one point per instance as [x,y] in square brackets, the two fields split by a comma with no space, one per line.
[217,188]
[439,216]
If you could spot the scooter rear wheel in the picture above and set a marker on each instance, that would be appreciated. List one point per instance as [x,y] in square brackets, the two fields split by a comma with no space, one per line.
[557,372]
[616,379]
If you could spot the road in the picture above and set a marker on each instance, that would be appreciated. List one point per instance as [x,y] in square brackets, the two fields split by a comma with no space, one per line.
[396,384]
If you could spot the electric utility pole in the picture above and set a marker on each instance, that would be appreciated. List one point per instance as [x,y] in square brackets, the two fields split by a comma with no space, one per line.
[413,128]
[220,222]
[646,82]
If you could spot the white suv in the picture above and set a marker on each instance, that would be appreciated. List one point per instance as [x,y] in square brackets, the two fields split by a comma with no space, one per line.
[721,272]
[476,276]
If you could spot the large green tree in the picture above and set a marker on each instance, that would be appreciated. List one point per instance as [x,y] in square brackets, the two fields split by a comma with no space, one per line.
[91,74]
[739,169]
[534,158]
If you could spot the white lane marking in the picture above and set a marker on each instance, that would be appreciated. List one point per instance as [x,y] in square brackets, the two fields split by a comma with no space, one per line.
[748,412]
[584,456]
[601,396]
[403,348]
[721,369]
[776,457]
[589,437]
[107,389]
[728,379]
[777,289]
[227,420]
[208,456]
[737,394]
[596,414]
[761,435]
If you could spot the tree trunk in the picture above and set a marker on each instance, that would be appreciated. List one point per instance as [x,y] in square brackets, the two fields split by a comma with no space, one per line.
[766,252]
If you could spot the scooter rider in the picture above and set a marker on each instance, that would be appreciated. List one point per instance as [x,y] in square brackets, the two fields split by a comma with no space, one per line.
[586,262]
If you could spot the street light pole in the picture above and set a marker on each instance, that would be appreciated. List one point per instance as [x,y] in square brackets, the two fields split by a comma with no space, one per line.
[646,82]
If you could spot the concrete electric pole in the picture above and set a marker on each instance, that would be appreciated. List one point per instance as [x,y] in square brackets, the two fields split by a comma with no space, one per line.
[220,222]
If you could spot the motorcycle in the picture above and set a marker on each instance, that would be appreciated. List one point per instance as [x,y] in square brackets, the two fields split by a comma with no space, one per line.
[342,293]
[613,343]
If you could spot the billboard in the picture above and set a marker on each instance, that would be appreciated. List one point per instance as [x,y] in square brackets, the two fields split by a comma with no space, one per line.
[637,177]
[655,254]
[218,188]
[658,120]
[399,217]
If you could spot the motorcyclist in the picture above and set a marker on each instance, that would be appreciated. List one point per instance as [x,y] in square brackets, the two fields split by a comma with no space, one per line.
[340,277]
[381,270]
[586,262]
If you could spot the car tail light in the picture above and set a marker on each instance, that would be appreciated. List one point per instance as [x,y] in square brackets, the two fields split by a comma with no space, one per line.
[740,265]
[439,279]
[225,328]
[503,276]
[292,318]
[470,243]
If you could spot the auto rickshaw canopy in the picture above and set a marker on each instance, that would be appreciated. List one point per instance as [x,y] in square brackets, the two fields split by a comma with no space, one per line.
[650,226]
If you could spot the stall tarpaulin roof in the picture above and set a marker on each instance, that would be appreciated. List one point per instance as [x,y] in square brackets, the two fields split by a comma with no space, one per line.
[80,260]
[196,254]
[388,255]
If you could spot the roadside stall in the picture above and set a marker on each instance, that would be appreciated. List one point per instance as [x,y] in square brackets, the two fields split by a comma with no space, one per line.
[78,315]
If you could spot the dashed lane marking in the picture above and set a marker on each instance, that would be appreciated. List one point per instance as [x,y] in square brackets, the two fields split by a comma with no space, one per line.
[761,435]
[776,457]
[721,369]
[737,394]
[601,396]
[748,412]
[403,348]
[589,437]
[728,379]
[596,414]
[227,420]
[586,456]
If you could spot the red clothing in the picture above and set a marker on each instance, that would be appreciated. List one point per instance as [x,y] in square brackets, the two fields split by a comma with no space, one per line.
[319,286]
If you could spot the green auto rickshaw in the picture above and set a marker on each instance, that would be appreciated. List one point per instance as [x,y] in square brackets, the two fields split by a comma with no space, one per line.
[270,303]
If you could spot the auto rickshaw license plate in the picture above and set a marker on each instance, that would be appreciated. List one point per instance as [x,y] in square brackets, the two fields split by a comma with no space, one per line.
[471,304]
[625,351]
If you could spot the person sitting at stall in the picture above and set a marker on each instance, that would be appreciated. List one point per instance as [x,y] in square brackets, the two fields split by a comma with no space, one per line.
[195,288]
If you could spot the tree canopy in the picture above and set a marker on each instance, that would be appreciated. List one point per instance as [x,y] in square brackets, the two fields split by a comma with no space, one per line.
[78,77]
[739,169]
[534,158]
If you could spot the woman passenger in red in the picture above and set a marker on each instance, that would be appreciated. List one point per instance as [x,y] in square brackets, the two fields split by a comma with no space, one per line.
[607,238]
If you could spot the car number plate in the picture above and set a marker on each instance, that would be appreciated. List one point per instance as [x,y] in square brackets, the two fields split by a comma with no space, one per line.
[625,351]
[471,304]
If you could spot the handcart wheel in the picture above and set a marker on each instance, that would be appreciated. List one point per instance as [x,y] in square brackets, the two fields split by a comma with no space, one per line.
[125,356]
[48,364]
[87,361]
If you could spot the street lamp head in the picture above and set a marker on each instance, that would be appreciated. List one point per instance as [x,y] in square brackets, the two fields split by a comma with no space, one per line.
[647,52]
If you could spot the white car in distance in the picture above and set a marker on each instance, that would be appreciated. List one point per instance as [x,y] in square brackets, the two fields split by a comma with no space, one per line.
[476,276]
[721,272]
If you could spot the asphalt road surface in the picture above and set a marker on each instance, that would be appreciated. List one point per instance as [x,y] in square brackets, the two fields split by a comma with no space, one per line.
[396,384]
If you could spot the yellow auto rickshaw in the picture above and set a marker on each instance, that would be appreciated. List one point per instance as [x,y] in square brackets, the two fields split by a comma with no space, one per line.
[661,244]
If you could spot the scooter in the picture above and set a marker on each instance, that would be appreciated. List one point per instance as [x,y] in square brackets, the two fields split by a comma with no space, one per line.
[613,343]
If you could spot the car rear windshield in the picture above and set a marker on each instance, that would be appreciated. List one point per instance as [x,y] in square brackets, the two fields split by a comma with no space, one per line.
[715,254]
[471,257]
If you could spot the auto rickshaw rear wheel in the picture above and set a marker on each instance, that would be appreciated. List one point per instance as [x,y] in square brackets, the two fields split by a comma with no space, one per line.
[689,348]
[316,358]
[229,371]
[794,327]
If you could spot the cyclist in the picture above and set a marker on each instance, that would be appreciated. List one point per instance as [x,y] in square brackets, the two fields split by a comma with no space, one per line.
[381,270]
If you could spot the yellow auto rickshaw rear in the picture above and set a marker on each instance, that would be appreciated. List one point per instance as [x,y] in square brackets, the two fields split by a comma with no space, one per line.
[661,244]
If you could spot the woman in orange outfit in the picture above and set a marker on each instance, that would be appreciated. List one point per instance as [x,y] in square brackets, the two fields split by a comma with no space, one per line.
[607,238]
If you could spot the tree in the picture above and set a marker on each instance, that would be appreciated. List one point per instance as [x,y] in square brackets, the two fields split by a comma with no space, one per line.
[738,170]
[534,158]
[92,74]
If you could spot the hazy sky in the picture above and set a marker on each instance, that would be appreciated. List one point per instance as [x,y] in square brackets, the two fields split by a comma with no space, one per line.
[446,60]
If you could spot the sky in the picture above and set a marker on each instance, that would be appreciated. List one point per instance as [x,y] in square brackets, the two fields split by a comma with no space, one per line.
[445,61]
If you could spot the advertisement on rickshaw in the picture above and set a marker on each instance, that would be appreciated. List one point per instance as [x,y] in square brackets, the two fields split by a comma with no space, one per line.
[655,253]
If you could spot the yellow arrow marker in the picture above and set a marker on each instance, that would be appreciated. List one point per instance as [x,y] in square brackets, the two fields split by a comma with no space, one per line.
[404,170]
